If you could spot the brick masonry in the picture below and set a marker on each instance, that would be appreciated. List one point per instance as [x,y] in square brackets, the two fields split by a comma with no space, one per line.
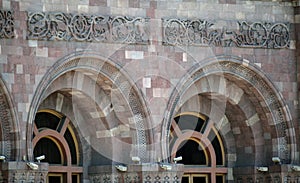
[156,69]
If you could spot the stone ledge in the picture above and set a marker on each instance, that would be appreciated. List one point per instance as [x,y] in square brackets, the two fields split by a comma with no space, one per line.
[146,172]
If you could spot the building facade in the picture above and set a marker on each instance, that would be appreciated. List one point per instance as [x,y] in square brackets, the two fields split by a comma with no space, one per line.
[119,90]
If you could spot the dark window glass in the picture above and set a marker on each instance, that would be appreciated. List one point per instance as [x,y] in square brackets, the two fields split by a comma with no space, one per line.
[71,143]
[189,122]
[199,179]
[192,153]
[220,179]
[48,148]
[46,120]
[54,179]
[185,180]
[75,178]
[217,146]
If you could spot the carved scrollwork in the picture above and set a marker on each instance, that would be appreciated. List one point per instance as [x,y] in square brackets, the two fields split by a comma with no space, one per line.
[6,24]
[202,33]
[262,35]
[81,27]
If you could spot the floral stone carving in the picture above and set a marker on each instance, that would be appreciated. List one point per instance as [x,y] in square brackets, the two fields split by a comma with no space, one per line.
[204,33]
[81,27]
[6,24]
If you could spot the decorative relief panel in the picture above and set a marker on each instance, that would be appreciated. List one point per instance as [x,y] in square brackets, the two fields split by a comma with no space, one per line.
[6,24]
[25,176]
[145,177]
[204,33]
[81,27]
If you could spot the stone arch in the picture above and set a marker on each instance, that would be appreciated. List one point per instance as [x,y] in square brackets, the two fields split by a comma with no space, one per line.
[265,94]
[93,64]
[9,125]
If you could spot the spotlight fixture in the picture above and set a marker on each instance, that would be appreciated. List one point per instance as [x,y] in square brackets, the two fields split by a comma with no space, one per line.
[276,160]
[2,158]
[39,158]
[136,159]
[32,165]
[166,166]
[296,168]
[177,159]
[121,168]
[262,169]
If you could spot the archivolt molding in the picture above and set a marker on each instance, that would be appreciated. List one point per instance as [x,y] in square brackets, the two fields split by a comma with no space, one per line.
[82,27]
[198,32]
[8,124]
[236,66]
[6,24]
[95,63]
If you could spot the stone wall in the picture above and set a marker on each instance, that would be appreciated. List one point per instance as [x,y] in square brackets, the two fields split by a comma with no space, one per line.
[155,44]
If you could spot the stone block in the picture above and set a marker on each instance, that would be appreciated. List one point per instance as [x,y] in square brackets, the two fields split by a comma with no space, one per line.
[6,4]
[41,52]
[157,92]
[3,59]
[122,3]
[12,50]
[147,82]
[136,55]
[32,43]
[19,69]
[144,4]
[83,9]
[249,150]
[133,3]
[8,78]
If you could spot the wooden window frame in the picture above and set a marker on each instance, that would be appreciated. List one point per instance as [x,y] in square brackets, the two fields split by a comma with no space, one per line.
[211,168]
[58,138]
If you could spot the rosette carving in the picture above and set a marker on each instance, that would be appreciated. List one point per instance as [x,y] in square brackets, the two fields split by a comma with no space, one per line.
[6,24]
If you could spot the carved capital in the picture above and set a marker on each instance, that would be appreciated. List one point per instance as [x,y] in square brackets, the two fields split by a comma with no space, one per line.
[199,32]
[81,27]
[6,24]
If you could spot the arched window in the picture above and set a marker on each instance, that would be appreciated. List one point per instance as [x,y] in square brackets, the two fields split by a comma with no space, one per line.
[54,137]
[201,147]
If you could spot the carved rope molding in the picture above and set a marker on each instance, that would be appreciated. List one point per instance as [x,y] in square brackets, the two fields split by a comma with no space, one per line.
[6,24]
[199,32]
[81,27]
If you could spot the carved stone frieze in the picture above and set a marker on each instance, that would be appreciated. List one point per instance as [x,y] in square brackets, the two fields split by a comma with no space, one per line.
[81,27]
[204,33]
[18,171]
[134,177]
[6,24]
[146,173]
[26,176]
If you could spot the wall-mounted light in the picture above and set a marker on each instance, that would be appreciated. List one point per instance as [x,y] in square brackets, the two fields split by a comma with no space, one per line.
[262,169]
[121,168]
[296,168]
[136,159]
[2,158]
[39,158]
[177,159]
[166,166]
[276,160]
[32,165]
